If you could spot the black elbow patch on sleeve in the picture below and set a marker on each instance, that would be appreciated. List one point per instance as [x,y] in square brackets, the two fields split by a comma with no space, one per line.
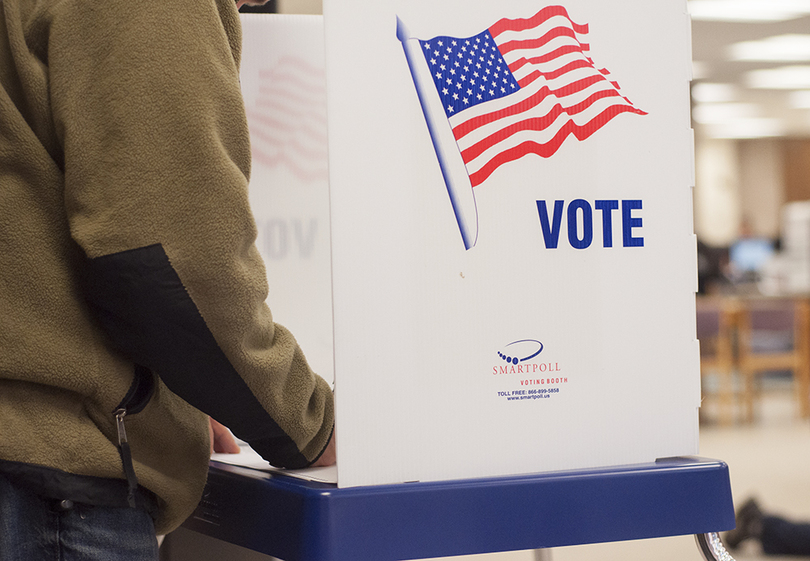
[141,304]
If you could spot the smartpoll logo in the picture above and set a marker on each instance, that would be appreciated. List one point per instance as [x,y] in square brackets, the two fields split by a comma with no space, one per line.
[518,357]
[538,380]
[524,346]
[520,87]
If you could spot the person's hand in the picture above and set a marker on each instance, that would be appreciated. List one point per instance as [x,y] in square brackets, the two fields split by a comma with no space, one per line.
[222,441]
[329,456]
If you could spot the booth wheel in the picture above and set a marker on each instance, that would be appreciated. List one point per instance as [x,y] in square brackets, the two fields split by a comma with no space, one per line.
[712,547]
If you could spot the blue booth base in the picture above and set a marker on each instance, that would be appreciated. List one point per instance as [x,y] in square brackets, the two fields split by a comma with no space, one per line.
[297,520]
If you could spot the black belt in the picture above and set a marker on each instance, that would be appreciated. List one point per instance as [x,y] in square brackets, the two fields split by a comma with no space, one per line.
[66,488]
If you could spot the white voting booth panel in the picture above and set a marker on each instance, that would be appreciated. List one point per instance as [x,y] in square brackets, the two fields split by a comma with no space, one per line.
[513,275]
[283,83]
[439,315]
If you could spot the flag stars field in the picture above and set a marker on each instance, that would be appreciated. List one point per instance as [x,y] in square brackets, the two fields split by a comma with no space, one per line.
[475,52]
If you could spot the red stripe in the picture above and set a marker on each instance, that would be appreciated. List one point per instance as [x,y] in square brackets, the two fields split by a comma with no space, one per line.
[581,132]
[567,68]
[297,65]
[465,128]
[539,123]
[593,98]
[292,89]
[516,65]
[304,173]
[557,53]
[256,119]
[543,15]
[578,86]
[311,151]
[293,106]
[510,46]
[291,79]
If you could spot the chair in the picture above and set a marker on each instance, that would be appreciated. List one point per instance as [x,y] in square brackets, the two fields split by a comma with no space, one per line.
[774,336]
[716,320]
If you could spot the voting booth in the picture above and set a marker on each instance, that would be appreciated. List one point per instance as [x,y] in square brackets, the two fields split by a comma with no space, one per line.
[477,221]
[513,260]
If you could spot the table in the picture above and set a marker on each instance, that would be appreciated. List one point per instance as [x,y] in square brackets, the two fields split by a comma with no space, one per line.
[297,520]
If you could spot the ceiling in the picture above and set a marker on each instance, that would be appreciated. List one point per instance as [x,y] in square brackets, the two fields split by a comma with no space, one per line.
[726,103]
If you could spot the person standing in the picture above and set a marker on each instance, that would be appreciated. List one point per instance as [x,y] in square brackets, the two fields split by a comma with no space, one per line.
[132,293]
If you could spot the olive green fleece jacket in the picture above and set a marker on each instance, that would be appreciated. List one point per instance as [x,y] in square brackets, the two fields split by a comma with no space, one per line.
[126,239]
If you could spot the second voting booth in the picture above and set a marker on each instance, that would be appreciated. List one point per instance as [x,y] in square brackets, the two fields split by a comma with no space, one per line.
[477,220]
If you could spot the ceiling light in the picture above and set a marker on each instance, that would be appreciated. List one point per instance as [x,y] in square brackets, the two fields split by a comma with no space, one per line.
[748,10]
[721,113]
[794,48]
[746,128]
[782,78]
[709,92]
[800,99]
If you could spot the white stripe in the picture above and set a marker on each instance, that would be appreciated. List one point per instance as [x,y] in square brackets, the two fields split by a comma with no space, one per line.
[314,162]
[539,31]
[538,111]
[576,75]
[497,104]
[306,98]
[530,90]
[554,66]
[550,47]
[483,132]
[314,139]
[548,66]
[540,137]
[291,118]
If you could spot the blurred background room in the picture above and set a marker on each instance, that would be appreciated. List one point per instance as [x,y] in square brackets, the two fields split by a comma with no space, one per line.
[751,116]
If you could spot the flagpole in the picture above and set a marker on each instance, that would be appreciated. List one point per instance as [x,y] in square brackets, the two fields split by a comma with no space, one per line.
[452,165]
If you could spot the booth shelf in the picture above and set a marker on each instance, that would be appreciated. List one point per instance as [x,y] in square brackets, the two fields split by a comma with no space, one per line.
[297,520]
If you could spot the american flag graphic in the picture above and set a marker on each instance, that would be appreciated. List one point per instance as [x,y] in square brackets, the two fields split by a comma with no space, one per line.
[288,119]
[520,87]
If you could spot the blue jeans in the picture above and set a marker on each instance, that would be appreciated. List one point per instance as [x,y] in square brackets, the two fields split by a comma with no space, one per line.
[36,529]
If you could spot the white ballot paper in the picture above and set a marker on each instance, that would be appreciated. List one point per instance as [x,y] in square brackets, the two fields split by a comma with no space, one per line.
[247,458]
